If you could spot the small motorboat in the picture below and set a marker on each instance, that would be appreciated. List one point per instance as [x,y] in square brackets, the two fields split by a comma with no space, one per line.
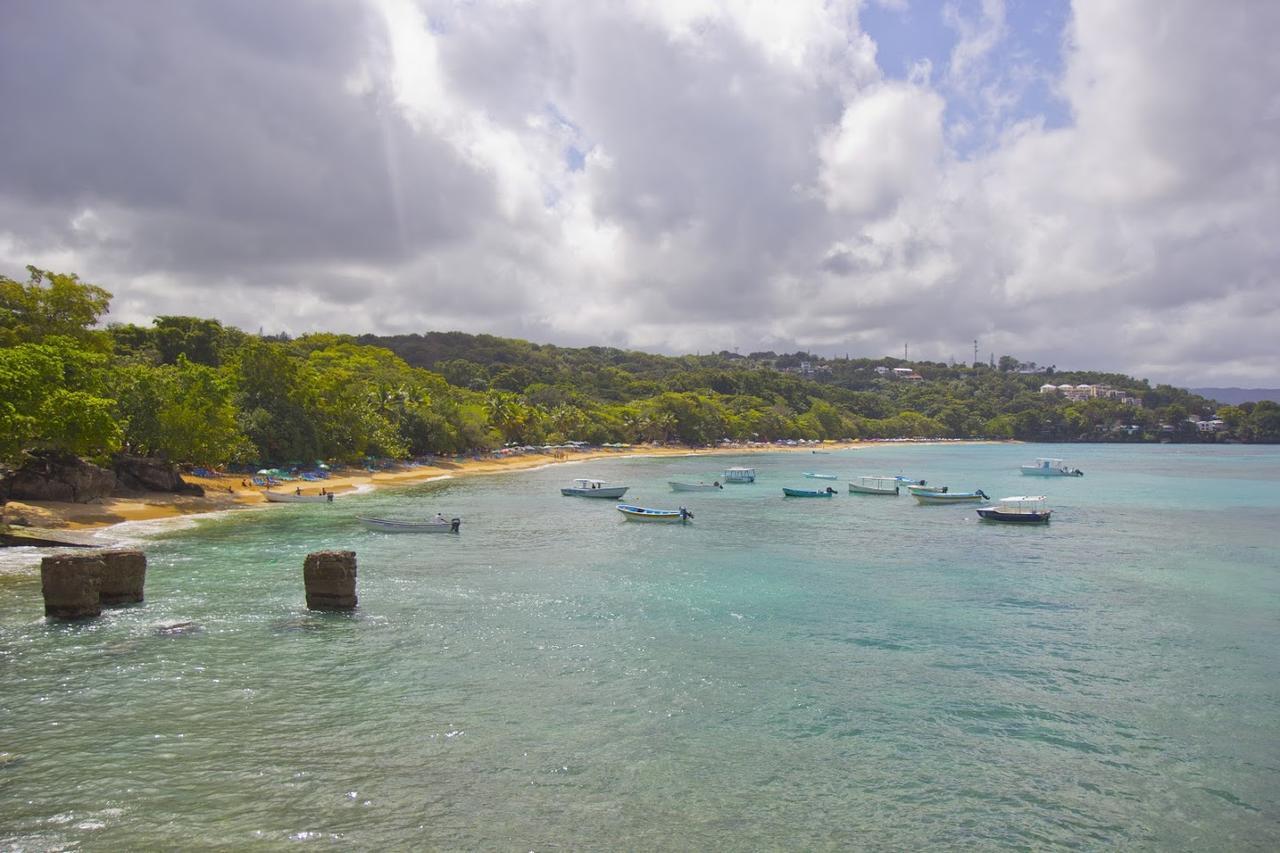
[874,486]
[392,525]
[641,513]
[808,493]
[296,497]
[1022,509]
[928,498]
[813,476]
[1047,467]
[740,475]
[694,487]
[907,481]
[585,488]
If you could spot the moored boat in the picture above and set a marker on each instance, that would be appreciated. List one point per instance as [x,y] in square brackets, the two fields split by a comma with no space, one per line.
[907,481]
[929,498]
[874,486]
[740,475]
[814,476]
[694,487]
[808,493]
[641,513]
[393,525]
[1023,509]
[1047,467]
[296,497]
[587,488]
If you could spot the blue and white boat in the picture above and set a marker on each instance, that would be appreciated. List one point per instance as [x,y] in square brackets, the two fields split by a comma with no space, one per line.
[808,493]
[927,497]
[907,481]
[1019,509]
[584,488]
[641,513]
[740,475]
[813,476]
[1047,467]
[874,486]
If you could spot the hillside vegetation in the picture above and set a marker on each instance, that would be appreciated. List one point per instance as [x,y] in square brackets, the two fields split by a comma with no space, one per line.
[195,391]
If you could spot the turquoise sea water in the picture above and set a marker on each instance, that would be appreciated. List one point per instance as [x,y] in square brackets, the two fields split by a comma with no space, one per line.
[852,673]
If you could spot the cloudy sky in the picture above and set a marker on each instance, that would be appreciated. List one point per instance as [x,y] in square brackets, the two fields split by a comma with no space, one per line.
[1091,185]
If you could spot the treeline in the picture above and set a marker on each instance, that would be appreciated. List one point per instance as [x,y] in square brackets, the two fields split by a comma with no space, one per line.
[195,391]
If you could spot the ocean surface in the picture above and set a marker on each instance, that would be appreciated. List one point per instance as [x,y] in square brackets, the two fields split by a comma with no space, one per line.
[852,673]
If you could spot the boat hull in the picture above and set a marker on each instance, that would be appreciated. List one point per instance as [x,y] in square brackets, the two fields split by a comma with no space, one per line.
[391,525]
[931,498]
[820,476]
[806,493]
[693,487]
[856,489]
[611,492]
[1033,471]
[290,498]
[992,514]
[658,516]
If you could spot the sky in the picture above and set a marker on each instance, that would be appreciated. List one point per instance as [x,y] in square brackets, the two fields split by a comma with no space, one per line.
[1093,185]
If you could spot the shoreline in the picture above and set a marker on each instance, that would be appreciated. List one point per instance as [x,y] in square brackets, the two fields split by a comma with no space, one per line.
[224,492]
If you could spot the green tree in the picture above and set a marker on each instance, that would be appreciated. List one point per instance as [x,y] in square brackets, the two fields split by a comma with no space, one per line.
[51,304]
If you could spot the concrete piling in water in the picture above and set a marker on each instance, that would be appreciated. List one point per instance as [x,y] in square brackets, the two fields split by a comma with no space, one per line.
[71,584]
[330,579]
[124,573]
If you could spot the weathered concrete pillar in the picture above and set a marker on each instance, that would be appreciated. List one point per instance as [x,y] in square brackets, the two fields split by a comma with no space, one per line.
[330,578]
[123,574]
[70,584]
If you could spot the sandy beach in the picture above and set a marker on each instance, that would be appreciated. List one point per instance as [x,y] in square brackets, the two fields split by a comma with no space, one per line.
[229,491]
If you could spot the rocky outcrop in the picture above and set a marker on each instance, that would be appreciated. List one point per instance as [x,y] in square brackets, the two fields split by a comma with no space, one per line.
[57,477]
[330,580]
[147,474]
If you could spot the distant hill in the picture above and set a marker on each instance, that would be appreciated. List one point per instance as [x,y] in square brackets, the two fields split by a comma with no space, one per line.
[1236,396]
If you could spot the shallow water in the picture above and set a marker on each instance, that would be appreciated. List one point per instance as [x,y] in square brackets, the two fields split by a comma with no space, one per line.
[782,673]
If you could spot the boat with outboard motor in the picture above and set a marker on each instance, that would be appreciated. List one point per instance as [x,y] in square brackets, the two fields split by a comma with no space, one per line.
[641,513]
[393,525]
[694,487]
[1021,509]
[587,488]
[907,481]
[874,486]
[1047,467]
[296,497]
[740,475]
[808,493]
[927,497]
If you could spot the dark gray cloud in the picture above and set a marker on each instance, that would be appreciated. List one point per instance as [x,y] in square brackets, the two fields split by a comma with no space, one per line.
[659,174]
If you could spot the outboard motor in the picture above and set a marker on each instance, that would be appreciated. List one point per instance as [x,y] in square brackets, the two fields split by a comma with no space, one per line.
[454,525]
[685,515]
[983,495]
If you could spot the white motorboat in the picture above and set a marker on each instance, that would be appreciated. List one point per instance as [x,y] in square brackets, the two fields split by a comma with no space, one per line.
[586,488]
[928,497]
[814,476]
[670,516]
[393,525]
[694,487]
[874,486]
[740,475]
[296,497]
[1047,467]
[1023,509]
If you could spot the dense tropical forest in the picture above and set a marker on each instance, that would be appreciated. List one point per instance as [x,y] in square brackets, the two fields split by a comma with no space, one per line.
[192,390]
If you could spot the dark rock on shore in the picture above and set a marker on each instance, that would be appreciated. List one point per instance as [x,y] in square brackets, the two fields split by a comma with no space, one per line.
[57,477]
[147,474]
